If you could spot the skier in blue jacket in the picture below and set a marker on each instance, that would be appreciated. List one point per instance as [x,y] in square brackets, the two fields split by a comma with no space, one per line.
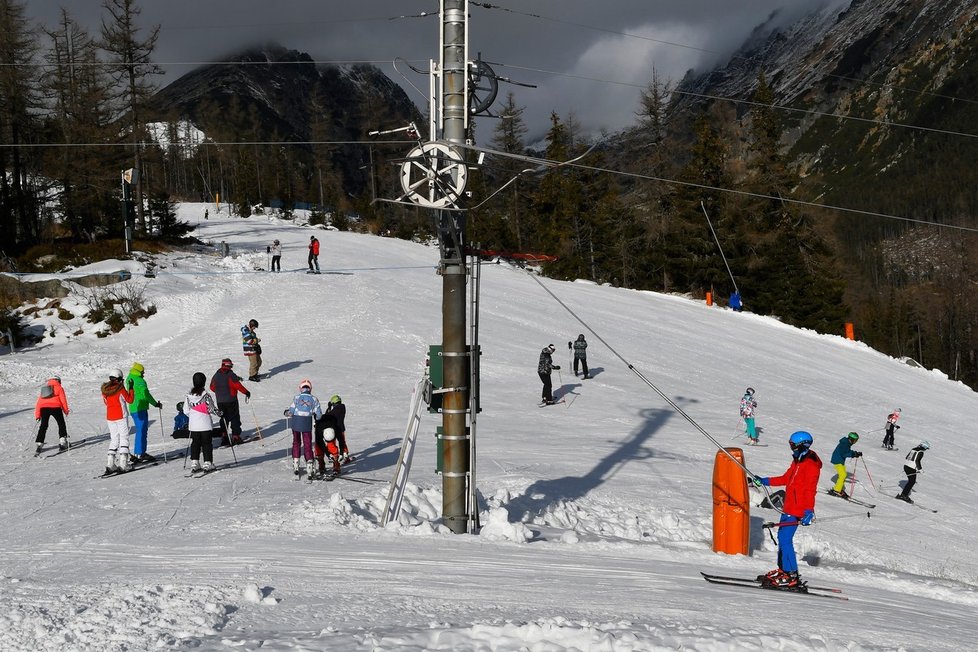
[843,451]
[304,412]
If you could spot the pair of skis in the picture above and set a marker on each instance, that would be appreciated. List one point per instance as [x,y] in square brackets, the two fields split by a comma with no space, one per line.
[854,501]
[754,583]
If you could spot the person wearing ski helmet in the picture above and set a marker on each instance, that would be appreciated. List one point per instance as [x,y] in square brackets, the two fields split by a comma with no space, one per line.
[891,428]
[313,255]
[226,386]
[199,405]
[337,410]
[913,467]
[116,398]
[801,484]
[303,413]
[276,251]
[580,354]
[52,403]
[544,368]
[139,411]
[250,344]
[747,407]
[843,451]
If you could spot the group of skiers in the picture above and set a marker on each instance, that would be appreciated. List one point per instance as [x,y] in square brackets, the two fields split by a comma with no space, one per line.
[316,433]
[800,481]
[545,366]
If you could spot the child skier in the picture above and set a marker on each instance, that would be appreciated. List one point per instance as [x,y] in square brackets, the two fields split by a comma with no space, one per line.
[116,396]
[51,403]
[842,452]
[912,467]
[181,424]
[801,484]
[338,411]
[747,407]
[891,428]
[545,367]
[139,410]
[199,406]
[304,409]
[327,442]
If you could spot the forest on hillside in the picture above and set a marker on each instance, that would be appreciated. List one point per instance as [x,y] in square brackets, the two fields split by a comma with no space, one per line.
[704,199]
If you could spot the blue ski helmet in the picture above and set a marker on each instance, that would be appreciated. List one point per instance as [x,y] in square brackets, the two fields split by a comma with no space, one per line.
[924,444]
[800,440]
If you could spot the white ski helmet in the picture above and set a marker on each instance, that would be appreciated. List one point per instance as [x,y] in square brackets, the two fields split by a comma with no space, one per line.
[329,434]
[117,373]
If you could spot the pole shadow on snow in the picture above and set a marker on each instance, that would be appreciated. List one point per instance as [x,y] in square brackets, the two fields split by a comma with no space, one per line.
[16,412]
[564,390]
[544,493]
[594,371]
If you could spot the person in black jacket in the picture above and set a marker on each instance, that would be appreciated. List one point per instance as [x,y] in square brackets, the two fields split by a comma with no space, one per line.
[912,467]
[544,368]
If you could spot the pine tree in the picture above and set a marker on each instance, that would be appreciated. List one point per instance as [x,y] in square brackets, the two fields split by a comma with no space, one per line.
[19,217]
[131,66]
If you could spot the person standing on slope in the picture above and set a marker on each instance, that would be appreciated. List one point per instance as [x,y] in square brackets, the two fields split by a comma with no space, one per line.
[544,368]
[251,348]
[801,484]
[580,354]
[226,385]
[912,467]
[891,428]
[313,255]
[326,443]
[843,451]
[199,406]
[116,397]
[747,407]
[51,403]
[139,410]
[304,409]
[276,251]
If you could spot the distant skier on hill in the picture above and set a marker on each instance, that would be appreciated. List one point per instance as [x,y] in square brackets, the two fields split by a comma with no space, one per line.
[747,407]
[843,451]
[544,369]
[913,467]
[801,484]
[313,255]
[276,250]
[891,428]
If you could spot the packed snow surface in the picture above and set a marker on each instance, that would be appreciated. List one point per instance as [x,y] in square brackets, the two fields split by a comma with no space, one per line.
[596,513]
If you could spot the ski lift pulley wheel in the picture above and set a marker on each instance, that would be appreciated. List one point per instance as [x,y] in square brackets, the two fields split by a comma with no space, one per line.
[433,175]
[483,87]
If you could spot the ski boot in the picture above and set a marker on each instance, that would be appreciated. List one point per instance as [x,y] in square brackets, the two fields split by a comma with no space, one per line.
[840,494]
[295,465]
[110,466]
[195,467]
[337,468]
[146,458]
[236,440]
[40,447]
[208,467]
[310,469]
[905,499]
[63,444]
[123,463]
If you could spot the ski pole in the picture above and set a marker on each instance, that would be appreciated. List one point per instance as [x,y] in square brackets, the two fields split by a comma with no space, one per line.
[261,439]
[162,433]
[233,454]
[190,439]
[868,474]
[37,424]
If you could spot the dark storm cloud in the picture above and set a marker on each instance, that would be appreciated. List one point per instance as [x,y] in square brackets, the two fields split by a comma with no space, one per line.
[587,57]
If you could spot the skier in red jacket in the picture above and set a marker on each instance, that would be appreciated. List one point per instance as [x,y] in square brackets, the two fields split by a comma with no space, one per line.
[801,484]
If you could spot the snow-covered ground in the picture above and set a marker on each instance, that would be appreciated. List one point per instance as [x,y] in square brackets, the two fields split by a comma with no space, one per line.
[597,511]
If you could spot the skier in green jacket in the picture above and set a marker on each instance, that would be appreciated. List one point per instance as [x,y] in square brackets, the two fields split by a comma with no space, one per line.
[139,410]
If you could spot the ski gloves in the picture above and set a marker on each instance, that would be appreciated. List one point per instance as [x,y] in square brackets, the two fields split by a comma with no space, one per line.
[760,481]
[808,517]
[555,367]
[857,453]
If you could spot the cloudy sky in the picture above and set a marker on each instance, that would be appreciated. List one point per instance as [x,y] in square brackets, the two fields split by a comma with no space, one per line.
[589,57]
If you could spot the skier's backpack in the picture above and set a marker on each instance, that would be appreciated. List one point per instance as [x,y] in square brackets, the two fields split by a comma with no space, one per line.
[47,391]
